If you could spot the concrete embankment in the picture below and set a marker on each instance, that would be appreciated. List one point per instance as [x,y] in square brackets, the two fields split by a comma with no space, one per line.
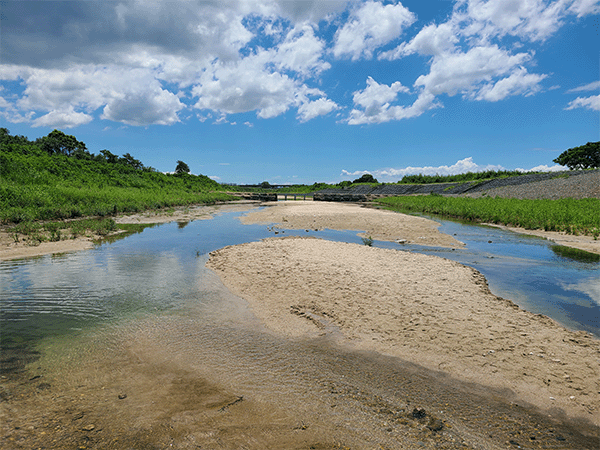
[574,184]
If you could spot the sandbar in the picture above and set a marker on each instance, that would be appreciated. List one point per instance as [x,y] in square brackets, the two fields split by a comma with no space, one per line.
[423,309]
[370,222]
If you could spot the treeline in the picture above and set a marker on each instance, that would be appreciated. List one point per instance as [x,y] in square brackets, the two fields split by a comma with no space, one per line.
[56,177]
[59,143]
[463,177]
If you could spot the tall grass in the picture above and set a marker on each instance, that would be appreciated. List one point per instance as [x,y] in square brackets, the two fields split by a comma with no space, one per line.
[37,186]
[20,203]
[574,216]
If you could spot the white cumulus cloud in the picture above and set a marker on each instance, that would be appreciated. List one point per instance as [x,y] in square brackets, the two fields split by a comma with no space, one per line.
[543,168]
[374,104]
[519,82]
[462,166]
[585,7]
[244,86]
[146,63]
[62,119]
[394,174]
[370,26]
[310,109]
[469,72]
[301,51]
[535,20]
[157,107]
[431,40]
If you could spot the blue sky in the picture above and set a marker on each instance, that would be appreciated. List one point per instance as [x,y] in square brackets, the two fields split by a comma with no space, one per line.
[307,91]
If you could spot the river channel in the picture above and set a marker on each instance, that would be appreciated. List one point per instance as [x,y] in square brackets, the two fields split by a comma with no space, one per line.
[135,344]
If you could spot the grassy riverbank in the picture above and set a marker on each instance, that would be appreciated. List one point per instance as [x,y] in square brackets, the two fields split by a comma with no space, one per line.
[574,216]
[61,183]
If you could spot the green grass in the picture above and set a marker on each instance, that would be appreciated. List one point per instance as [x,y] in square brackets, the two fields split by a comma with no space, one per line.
[573,216]
[37,186]
[20,203]
[460,178]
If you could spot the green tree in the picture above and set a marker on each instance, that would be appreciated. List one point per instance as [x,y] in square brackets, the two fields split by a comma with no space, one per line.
[60,143]
[583,157]
[109,156]
[129,160]
[366,178]
[182,168]
[265,185]
[19,144]
[82,154]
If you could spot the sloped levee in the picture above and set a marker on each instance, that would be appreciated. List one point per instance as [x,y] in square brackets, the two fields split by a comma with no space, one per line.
[365,193]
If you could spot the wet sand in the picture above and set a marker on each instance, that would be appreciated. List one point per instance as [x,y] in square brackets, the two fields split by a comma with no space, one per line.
[423,309]
[386,225]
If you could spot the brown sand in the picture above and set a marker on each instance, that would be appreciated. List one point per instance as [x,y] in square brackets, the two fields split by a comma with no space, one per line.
[423,309]
[378,224]
[386,225]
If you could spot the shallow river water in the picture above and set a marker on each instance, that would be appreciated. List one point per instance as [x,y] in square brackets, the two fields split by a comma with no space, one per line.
[135,344]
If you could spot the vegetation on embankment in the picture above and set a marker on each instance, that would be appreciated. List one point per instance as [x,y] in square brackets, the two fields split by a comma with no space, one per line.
[574,216]
[55,177]
[461,177]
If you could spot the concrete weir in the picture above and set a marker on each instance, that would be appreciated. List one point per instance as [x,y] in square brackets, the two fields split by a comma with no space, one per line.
[263,197]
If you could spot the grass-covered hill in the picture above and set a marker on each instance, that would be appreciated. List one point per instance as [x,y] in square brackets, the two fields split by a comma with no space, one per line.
[56,177]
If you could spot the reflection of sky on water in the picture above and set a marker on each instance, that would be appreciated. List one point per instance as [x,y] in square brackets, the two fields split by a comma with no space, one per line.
[163,267]
[590,287]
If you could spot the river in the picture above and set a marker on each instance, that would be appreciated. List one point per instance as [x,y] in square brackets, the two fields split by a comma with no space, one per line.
[135,344]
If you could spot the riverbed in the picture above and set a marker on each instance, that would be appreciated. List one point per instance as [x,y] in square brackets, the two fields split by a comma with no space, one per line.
[136,344]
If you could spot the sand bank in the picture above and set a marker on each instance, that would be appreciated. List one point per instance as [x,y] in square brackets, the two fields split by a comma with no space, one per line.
[424,309]
[386,225]
[378,224]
